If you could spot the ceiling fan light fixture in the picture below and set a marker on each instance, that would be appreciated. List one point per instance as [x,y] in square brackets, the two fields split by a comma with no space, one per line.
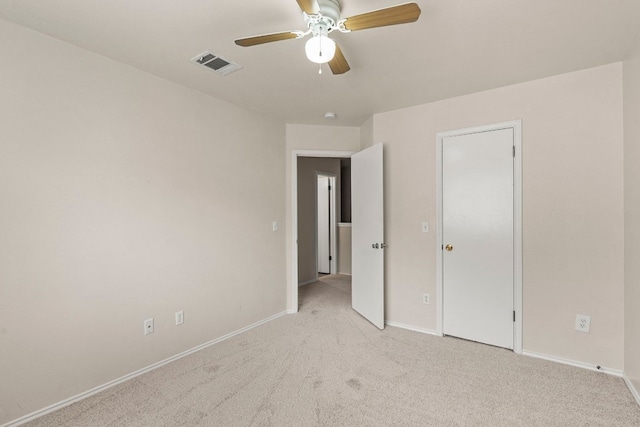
[323,17]
[320,49]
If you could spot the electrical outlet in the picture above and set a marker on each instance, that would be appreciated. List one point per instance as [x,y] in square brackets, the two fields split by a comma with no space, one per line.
[425,227]
[179,317]
[583,322]
[274,225]
[426,299]
[148,326]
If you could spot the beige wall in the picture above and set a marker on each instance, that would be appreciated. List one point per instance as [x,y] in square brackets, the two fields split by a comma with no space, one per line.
[344,248]
[632,215]
[314,138]
[121,200]
[307,185]
[573,207]
[366,134]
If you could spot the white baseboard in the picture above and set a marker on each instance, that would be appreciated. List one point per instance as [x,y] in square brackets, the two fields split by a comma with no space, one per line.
[410,328]
[95,390]
[308,282]
[583,365]
[634,391]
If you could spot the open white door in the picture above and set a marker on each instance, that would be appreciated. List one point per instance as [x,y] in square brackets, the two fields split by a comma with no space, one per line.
[367,216]
[323,229]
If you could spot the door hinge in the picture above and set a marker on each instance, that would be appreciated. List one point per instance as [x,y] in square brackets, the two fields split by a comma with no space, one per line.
[329,188]
[514,151]
[330,258]
[514,315]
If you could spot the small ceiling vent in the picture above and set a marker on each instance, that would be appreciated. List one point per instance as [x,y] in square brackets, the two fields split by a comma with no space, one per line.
[216,63]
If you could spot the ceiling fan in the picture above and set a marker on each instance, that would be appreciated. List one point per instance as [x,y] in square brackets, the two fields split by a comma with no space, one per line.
[322,17]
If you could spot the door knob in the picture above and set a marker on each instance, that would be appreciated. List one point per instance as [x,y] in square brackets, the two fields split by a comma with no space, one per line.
[449,248]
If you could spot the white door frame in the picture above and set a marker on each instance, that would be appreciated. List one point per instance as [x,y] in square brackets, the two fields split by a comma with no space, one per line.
[292,285]
[516,125]
[333,247]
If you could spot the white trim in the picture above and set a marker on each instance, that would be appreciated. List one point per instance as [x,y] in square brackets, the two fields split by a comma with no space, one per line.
[516,125]
[292,284]
[410,328]
[631,387]
[583,365]
[66,402]
[517,238]
[439,240]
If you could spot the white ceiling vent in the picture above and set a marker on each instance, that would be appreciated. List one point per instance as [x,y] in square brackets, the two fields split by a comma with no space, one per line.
[216,63]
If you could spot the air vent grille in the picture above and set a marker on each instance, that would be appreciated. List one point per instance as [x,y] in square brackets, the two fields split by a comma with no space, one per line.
[216,63]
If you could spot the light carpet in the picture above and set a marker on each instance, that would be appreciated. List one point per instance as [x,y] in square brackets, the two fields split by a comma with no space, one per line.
[327,366]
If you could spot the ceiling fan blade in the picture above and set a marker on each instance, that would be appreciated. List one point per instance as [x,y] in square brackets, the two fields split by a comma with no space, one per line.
[401,14]
[308,6]
[339,64]
[267,38]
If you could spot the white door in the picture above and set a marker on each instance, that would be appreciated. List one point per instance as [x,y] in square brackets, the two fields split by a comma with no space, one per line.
[478,236]
[322,225]
[367,228]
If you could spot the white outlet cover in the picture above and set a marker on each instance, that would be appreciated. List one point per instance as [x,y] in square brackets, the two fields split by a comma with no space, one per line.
[179,317]
[583,322]
[425,227]
[426,298]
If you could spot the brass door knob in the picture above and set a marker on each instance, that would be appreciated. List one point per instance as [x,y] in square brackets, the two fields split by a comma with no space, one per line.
[449,248]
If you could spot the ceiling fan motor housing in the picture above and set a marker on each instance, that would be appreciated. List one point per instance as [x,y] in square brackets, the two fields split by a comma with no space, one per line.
[330,9]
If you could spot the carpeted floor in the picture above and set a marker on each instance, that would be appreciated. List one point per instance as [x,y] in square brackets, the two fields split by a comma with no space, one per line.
[328,366]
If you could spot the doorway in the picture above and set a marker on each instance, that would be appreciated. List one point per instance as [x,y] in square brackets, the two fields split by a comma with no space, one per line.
[370,201]
[479,277]
[304,166]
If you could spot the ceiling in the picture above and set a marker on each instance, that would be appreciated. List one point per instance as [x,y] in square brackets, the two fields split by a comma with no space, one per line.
[455,48]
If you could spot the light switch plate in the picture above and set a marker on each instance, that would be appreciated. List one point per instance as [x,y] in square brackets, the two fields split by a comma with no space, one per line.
[148,326]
